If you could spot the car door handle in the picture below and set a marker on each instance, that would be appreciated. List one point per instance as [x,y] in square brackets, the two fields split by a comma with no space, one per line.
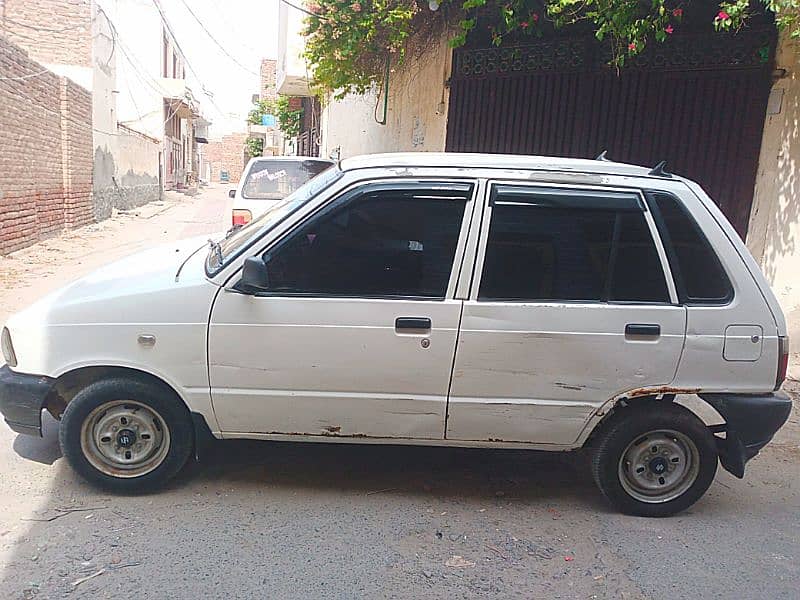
[648,329]
[412,323]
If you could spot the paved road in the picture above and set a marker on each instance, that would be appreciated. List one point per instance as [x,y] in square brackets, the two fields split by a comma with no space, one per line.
[335,521]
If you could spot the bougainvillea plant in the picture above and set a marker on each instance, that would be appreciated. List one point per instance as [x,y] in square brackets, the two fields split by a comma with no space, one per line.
[348,42]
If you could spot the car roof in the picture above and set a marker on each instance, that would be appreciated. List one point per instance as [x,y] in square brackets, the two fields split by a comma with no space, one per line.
[492,161]
[290,159]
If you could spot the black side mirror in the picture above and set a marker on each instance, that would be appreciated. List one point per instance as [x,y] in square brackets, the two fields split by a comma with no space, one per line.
[231,193]
[255,276]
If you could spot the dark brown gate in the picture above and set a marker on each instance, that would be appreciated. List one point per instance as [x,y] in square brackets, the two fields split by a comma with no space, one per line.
[698,102]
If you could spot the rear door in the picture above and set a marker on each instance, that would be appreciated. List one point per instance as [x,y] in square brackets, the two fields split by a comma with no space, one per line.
[571,303]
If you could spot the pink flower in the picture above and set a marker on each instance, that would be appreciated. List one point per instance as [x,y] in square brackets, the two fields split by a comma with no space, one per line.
[535,17]
[524,24]
[315,8]
[632,46]
[678,12]
[723,16]
[356,6]
[669,29]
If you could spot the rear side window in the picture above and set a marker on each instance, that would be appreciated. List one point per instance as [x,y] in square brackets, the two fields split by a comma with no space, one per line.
[699,275]
[570,245]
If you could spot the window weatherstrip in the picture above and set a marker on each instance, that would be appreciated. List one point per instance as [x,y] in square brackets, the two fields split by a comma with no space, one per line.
[585,199]
[662,256]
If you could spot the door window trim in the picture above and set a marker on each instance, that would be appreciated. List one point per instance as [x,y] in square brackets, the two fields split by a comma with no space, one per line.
[489,201]
[357,188]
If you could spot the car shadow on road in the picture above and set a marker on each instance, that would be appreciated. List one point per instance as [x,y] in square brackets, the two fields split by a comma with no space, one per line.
[370,468]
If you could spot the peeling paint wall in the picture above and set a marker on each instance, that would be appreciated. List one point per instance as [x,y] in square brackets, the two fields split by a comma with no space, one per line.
[126,162]
[774,230]
[416,118]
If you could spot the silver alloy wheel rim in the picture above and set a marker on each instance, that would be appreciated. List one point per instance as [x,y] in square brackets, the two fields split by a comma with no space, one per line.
[659,466]
[125,439]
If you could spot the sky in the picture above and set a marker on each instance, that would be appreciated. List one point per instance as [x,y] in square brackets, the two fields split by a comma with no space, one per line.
[248,30]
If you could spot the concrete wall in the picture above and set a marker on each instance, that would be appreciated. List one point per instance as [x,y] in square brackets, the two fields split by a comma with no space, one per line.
[45,151]
[126,163]
[416,118]
[774,234]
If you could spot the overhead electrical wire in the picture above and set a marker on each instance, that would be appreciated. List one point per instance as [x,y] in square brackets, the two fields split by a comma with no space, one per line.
[213,39]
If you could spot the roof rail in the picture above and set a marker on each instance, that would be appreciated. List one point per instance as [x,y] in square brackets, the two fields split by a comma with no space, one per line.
[660,170]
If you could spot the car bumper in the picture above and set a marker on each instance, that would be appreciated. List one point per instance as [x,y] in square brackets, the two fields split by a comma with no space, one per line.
[751,420]
[22,398]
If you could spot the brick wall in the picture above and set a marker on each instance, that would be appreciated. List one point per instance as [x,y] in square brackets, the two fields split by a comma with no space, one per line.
[45,151]
[268,89]
[226,154]
[53,31]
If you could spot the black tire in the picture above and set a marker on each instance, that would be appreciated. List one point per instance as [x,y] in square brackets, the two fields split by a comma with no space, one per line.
[159,399]
[630,425]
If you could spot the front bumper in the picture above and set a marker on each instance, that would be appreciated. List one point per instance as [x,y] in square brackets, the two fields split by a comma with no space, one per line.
[751,420]
[22,398]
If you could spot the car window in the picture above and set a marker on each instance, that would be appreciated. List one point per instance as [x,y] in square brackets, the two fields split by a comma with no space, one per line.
[397,241]
[573,246]
[699,275]
[276,179]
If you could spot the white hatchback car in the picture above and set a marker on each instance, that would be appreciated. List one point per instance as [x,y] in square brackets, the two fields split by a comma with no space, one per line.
[268,180]
[435,299]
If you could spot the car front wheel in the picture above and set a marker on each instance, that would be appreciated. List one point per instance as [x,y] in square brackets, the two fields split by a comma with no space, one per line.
[654,460]
[126,435]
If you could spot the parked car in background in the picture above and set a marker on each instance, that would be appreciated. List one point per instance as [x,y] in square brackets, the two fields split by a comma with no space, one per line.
[433,299]
[268,179]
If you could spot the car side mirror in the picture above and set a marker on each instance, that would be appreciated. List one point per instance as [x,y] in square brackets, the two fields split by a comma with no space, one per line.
[231,193]
[255,276]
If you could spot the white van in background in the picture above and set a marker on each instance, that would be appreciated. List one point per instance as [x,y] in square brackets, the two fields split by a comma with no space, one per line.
[268,179]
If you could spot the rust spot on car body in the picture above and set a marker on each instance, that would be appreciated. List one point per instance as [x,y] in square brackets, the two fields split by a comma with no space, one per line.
[659,391]
[332,429]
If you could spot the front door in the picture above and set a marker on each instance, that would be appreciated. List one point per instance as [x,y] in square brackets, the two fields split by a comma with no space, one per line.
[356,334]
[570,305]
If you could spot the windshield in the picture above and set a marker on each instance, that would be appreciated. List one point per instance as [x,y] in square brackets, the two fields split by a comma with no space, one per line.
[235,243]
[276,179]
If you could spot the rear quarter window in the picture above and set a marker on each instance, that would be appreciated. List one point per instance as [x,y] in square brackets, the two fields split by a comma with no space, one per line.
[699,275]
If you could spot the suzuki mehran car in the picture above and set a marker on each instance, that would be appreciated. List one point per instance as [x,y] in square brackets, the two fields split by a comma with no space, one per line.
[434,299]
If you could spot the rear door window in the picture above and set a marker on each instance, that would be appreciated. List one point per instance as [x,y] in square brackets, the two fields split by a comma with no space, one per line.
[570,245]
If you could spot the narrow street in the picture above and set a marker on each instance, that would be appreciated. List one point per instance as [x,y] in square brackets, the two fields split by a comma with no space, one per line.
[354,521]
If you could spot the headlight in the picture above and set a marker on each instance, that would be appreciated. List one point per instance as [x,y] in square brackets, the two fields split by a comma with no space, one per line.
[8,348]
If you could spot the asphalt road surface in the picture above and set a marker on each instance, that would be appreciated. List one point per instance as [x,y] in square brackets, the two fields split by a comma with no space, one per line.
[275,520]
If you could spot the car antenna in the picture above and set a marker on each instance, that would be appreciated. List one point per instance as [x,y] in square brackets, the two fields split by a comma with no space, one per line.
[603,156]
[660,170]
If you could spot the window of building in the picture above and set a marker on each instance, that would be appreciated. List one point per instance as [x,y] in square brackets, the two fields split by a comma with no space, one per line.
[699,275]
[572,246]
[387,242]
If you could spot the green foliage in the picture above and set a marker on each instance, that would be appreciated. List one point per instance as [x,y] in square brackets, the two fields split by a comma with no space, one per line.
[349,41]
[288,120]
[254,146]
[262,107]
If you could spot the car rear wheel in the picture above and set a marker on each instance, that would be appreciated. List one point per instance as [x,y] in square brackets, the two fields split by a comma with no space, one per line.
[126,435]
[654,460]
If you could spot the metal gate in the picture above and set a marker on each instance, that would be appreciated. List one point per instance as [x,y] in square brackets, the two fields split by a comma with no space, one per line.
[698,102]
